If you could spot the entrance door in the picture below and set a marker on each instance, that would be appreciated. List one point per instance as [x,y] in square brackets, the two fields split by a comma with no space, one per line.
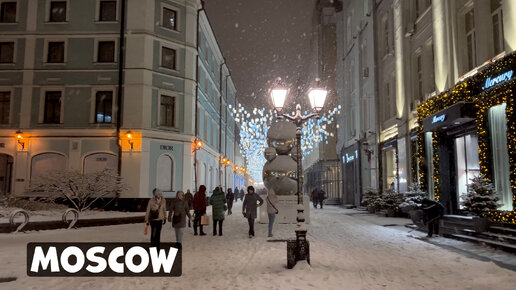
[6,169]
[467,163]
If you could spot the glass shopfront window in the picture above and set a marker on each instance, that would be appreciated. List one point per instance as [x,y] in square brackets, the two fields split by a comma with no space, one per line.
[501,169]
[467,163]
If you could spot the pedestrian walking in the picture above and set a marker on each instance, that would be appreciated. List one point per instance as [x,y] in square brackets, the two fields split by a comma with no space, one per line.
[229,200]
[249,208]
[433,211]
[189,202]
[155,215]
[199,206]
[218,203]
[322,197]
[236,193]
[177,214]
[241,194]
[272,209]
[315,196]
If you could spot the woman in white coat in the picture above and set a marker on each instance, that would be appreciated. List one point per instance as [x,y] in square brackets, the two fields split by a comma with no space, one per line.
[272,209]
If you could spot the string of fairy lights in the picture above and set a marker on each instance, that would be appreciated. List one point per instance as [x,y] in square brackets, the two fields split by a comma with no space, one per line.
[469,91]
[254,124]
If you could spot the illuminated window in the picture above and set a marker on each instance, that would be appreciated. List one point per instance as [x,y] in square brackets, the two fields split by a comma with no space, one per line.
[103,107]
[169,18]
[57,11]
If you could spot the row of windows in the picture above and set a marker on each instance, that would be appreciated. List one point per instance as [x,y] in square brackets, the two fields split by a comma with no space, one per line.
[57,11]
[56,53]
[52,113]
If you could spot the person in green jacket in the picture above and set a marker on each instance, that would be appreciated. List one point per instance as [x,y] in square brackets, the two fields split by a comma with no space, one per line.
[218,203]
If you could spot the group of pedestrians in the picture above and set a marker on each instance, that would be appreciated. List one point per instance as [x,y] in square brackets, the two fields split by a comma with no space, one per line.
[180,207]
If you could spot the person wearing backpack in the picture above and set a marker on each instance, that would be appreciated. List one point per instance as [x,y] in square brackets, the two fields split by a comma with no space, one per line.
[272,209]
[155,216]
[199,206]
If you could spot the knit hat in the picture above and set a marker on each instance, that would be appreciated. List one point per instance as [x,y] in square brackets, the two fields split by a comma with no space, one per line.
[250,187]
[156,191]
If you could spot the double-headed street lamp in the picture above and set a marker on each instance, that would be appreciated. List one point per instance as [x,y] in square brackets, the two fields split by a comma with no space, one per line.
[317,96]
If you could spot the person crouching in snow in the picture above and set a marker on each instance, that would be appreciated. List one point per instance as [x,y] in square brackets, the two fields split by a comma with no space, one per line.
[249,208]
[155,216]
[432,212]
[218,203]
[272,209]
[177,214]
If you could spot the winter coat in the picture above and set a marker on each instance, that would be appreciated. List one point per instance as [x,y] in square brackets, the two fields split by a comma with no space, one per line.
[179,208]
[218,203]
[230,197]
[161,206]
[189,199]
[199,200]
[272,203]
[249,206]
[432,210]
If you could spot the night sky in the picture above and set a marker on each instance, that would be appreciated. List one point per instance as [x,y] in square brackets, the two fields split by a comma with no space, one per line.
[262,40]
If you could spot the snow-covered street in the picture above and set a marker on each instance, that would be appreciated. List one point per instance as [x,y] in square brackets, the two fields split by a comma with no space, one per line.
[349,250]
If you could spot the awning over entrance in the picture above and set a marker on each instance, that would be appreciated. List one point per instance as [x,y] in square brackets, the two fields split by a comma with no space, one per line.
[452,116]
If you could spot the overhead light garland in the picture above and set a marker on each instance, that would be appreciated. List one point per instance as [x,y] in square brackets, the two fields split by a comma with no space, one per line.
[254,125]
[470,91]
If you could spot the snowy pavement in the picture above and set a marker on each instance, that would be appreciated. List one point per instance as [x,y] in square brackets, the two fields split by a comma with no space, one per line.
[349,250]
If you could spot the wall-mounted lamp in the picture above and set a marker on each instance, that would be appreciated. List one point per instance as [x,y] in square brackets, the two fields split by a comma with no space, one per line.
[129,136]
[19,137]
[197,144]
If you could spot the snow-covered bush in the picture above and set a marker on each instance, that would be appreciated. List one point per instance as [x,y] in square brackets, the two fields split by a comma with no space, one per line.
[480,197]
[371,199]
[391,200]
[81,190]
[412,198]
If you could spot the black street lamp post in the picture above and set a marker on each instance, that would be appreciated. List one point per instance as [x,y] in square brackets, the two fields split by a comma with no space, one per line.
[299,250]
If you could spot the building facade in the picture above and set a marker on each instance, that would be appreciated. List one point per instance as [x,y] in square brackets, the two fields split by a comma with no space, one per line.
[122,84]
[322,169]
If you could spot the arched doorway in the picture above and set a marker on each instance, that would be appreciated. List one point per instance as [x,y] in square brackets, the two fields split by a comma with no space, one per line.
[6,170]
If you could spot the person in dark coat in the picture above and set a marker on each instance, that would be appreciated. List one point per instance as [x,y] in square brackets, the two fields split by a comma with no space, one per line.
[199,206]
[189,202]
[177,214]
[236,193]
[155,216]
[433,211]
[322,196]
[218,203]
[249,208]
[229,199]
[241,194]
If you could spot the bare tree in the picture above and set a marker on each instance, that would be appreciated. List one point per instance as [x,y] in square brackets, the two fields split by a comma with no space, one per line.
[81,190]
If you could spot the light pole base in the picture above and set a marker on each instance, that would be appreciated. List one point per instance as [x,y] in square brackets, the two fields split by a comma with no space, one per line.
[297,250]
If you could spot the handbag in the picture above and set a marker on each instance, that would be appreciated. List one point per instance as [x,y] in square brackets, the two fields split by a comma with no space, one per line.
[176,219]
[277,211]
[205,220]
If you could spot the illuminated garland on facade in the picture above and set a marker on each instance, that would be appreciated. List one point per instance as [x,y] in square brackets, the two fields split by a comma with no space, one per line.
[464,92]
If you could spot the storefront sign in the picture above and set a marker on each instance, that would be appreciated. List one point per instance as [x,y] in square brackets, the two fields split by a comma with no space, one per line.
[437,119]
[166,147]
[348,158]
[491,82]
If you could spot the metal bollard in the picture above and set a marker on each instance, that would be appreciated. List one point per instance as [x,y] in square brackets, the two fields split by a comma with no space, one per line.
[24,223]
[75,217]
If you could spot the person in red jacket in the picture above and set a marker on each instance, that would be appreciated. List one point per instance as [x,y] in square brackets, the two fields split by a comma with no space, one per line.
[199,206]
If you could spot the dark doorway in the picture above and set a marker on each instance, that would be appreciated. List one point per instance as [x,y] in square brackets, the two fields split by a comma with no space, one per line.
[6,169]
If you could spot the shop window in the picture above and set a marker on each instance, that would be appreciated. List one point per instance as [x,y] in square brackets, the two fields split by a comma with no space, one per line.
[56,51]
[167,111]
[169,18]
[107,11]
[100,161]
[5,107]
[500,155]
[103,107]
[429,158]
[106,51]
[390,169]
[57,11]
[8,12]
[164,173]
[52,112]
[467,162]
[168,58]
[7,52]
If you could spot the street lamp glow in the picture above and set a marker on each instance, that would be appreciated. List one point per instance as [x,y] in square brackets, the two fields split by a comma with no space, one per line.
[278,95]
[317,98]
